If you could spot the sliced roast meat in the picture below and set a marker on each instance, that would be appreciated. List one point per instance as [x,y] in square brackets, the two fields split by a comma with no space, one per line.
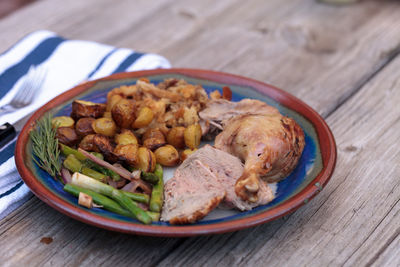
[202,181]
[191,194]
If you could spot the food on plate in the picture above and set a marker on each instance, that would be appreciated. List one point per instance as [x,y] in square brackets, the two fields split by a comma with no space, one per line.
[62,121]
[67,136]
[83,126]
[112,153]
[202,182]
[269,143]
[82,109]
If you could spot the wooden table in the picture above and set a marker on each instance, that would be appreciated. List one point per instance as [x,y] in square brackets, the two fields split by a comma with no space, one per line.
[342,60]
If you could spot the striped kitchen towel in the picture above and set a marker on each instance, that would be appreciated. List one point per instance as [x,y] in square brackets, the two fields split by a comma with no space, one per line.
[68,63]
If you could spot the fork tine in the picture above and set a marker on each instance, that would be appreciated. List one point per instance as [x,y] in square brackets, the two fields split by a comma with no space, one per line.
[33,81]
[21,94]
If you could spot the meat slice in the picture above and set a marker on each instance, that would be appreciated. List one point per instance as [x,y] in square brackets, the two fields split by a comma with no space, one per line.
[191,194]
[203,181]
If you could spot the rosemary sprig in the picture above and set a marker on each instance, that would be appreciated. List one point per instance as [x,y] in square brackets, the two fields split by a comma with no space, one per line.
[45,147]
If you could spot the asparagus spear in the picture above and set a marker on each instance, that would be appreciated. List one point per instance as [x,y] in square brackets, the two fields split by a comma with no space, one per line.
[150,177]
[142,198]
[74,165]
[99,199]
[106,202]
[66,150]
[92,184]
[157,195]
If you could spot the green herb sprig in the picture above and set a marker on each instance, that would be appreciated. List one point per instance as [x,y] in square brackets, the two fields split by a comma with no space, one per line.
[45,146]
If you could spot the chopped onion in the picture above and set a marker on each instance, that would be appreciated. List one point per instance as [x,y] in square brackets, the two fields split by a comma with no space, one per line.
[131,187]
[66,176]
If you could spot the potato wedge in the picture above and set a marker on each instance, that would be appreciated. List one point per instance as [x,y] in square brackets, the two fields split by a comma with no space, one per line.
[84,127]
[176,138]
[192,136]
[128,153]
[62,121]
[67,136]
[87,143]
[144,118]
[146,160]
[123,113]
[126,137]
[167,155]
[81,109]
[105,126]
[153,139]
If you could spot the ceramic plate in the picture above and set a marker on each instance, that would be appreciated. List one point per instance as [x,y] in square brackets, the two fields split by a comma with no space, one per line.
[310,176]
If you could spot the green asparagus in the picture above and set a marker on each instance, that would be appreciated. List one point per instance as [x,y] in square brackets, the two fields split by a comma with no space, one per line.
[142,198]
[106,202]
[150,177]
[66,150]
[99,199]
[157,195]
[99,187]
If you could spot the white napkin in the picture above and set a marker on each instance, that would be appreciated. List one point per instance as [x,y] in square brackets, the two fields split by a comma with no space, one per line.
[68,63]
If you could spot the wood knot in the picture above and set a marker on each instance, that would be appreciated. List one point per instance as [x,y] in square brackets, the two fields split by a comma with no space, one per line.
[46,240]
[313,40]
[262,29]
[350,148]
[187,14]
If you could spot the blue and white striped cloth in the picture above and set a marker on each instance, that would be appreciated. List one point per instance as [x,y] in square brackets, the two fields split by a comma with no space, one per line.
[68,63]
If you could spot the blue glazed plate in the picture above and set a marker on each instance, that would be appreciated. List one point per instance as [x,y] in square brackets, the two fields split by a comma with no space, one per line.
[312,173]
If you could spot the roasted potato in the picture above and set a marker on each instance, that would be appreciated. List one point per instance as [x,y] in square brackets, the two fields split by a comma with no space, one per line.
[105,126]
[192,136]
[186,153]
[84,127]
[81,108]
[167,155]
[146,160]
[126,137]
[175,137]
[123,113]
[112,100]
[87,143]
[153,139]
[67,136]
[190,116]
[128,153]
[104,145]
[107,114]
[62,121]
[144,118]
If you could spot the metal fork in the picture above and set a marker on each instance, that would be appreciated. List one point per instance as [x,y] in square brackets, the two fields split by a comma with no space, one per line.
[26,92]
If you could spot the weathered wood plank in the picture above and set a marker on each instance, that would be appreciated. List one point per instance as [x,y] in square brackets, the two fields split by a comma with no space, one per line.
[302,47]
[353,218]
[74,243]
[89,20]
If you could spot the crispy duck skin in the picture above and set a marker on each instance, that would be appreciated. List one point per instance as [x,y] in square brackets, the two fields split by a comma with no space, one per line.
[269,144]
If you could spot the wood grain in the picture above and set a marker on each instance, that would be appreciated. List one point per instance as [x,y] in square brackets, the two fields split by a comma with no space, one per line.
[341,60]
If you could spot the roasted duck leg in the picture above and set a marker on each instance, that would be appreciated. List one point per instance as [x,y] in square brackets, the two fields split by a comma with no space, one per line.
[269,143]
